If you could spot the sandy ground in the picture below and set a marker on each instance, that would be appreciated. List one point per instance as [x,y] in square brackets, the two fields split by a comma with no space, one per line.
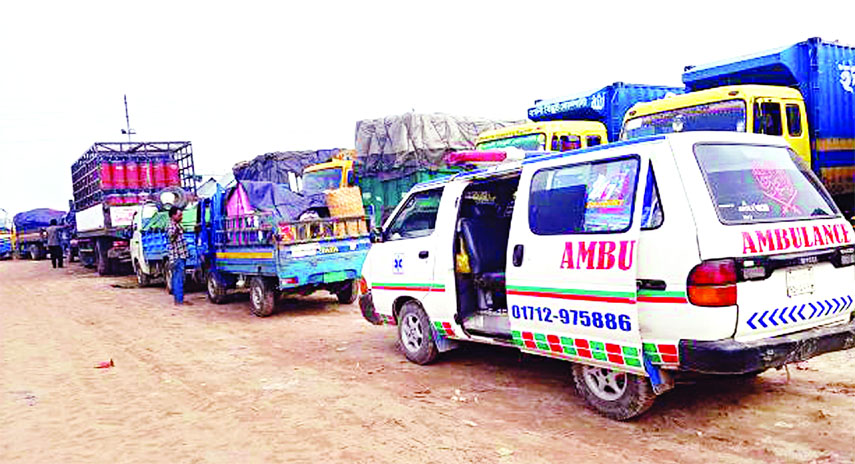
[316,383]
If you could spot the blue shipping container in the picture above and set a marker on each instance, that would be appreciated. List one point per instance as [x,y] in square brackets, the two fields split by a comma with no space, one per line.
[824,73]
[607,105]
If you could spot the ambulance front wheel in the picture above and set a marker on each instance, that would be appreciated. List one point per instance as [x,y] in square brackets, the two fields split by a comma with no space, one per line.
[415,334]
[614,394]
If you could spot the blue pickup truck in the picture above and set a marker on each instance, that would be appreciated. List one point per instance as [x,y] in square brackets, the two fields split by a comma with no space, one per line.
[260,239]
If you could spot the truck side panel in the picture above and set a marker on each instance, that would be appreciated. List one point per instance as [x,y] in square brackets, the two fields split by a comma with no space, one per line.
[607,105]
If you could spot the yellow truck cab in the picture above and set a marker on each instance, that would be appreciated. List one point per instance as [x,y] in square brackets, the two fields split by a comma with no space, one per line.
[545,136]
[335,173]
[761,109]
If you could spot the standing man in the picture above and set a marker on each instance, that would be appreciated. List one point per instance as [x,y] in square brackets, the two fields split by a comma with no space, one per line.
[53,243]
[177,254]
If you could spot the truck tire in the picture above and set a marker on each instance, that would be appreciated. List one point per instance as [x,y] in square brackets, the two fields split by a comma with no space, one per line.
[167,276]
[415,334]
[616,395]
[262,297]
[35,252]
[102,262]
[348,293]
[216,289]
[178,194]
[143,279]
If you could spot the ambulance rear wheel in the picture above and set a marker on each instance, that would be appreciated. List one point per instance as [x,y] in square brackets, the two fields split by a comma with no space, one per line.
[262,297]
[614,394]
[415,334]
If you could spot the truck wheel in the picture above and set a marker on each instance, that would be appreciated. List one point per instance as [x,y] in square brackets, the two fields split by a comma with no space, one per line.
[167,276]
[348,294]
[102,262]
[35,252]
[614,394]
[216,290]
[262,297]
[415,334]
[143,279]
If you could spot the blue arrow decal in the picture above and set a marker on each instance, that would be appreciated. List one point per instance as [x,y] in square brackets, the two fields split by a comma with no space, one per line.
[828,309]
[836,305]
[814,311]
[792,311]
[750,322]
[800,312]
[850,302]
[772,318]
[761,319]
[782,314]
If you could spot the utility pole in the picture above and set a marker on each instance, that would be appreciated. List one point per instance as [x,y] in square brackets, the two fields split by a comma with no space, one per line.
[129,131]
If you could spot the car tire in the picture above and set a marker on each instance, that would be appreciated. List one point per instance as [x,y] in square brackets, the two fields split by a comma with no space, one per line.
[215,288]
[348,293]
[616,395]
[415,334]
[262,297]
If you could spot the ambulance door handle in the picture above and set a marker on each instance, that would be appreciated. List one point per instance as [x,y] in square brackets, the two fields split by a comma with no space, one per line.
[518,255]
[648,284]
[423,254]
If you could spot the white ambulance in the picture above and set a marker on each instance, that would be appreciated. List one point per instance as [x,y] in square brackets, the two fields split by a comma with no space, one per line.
[698,253]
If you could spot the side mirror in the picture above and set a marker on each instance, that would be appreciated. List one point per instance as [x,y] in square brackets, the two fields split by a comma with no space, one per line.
[376,235]
[351,178]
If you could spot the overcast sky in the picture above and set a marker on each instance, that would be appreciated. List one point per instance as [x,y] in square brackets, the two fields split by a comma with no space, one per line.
[239,79]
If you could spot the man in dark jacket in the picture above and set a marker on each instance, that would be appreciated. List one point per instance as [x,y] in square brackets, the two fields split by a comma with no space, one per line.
[54,233]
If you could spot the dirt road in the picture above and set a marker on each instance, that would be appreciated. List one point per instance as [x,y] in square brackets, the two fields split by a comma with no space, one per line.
[316,383]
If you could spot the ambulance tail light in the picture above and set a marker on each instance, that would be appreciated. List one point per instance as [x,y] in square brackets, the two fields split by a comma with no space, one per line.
[713,283]
[363,286]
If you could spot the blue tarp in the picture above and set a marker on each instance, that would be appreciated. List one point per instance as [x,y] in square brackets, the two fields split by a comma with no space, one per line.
[37,218]
[279,198]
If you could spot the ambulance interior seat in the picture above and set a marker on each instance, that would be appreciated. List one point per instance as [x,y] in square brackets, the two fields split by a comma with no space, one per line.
[485,236]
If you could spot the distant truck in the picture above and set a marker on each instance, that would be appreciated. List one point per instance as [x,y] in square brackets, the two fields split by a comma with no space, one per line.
[804,93]
[5,239]
[30,237]
[606,106]
[109,181]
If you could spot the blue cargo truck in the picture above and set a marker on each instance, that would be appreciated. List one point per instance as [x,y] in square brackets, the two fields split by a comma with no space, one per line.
[30,236]
[255,243]
[607,105]
[804,93]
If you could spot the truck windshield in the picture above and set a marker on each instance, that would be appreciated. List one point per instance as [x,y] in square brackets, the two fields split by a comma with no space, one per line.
[726,115]
[752,183]
[528,142]
[325,179]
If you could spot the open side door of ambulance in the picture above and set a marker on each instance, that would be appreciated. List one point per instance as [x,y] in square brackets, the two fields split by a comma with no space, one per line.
[571,271]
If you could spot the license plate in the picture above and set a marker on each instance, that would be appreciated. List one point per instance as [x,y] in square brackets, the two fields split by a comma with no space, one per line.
[799,281]
[336,276]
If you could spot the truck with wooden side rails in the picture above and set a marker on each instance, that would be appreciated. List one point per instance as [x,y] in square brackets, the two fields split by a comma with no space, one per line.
[257,241]
[109,181]
[804,93]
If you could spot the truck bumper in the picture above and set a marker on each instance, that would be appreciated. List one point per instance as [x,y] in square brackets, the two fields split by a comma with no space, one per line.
[734,357]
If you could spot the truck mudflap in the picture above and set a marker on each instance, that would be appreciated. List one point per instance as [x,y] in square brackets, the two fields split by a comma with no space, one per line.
[734,357]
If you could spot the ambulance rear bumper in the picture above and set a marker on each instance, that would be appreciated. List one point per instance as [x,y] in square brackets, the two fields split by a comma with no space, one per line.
[733,357]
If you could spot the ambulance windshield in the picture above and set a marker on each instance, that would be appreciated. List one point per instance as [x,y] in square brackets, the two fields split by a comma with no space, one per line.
[753,183]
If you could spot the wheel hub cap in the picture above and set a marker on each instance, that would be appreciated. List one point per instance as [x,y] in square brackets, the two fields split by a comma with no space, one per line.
[411,332]
[605,383]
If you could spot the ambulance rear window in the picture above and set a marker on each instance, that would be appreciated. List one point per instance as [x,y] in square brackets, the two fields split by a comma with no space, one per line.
[753,183]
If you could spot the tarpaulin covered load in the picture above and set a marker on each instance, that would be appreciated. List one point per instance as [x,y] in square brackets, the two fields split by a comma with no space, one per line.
[36,218]
[274,167]
[409,142]
[250,196]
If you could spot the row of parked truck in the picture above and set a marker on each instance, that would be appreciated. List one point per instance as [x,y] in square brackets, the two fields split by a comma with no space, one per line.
[475,270]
